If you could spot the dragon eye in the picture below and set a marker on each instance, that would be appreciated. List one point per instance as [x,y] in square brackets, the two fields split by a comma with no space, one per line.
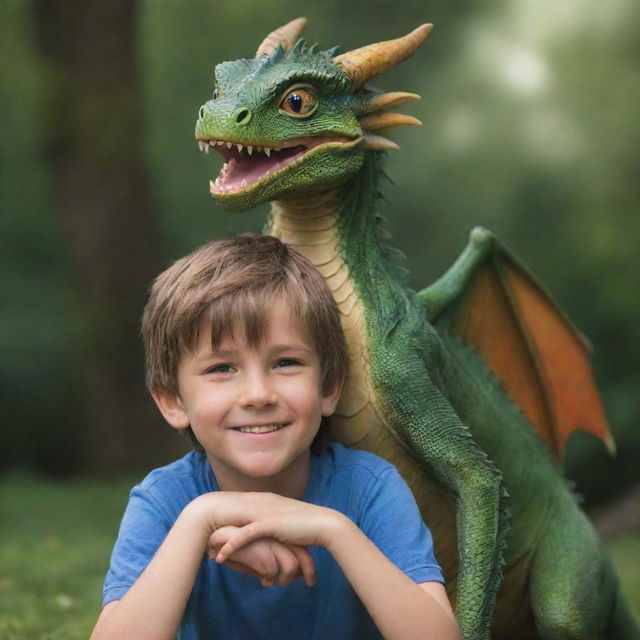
[298,103]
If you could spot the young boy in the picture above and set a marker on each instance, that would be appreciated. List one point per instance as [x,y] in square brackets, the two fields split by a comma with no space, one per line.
[246,354]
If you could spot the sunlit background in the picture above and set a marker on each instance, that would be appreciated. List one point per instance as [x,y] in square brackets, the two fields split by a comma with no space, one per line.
[531,128]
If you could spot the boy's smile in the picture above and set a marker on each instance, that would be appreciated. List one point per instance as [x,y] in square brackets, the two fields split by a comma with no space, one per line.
[254,410]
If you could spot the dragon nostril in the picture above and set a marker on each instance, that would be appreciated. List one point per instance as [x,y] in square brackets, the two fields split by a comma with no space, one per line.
[201,113]
[242,115]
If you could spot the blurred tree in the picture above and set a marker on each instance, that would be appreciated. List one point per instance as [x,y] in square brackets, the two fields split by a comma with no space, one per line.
[104,203]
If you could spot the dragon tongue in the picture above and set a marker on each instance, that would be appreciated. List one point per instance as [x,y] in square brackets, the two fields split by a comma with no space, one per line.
[242,169]
[251,168]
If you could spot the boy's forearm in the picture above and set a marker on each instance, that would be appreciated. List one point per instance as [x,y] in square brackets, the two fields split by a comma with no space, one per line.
[400,608]
[154,605]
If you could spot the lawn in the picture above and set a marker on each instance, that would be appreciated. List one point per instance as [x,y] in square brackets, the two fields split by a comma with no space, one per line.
[55,540]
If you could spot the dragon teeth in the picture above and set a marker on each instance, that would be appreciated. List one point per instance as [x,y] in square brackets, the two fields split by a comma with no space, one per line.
[250,149]
[267,151]
[240,147]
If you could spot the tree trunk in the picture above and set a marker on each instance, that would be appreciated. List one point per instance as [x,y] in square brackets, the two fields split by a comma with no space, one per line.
[105,206]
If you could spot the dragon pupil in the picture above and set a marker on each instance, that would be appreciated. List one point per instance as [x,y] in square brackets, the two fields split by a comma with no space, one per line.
[295,101]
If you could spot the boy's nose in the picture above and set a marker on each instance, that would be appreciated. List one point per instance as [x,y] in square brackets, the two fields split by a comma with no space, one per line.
[257,392]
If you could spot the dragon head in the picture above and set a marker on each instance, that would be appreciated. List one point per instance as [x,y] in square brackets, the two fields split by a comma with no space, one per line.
[295,119]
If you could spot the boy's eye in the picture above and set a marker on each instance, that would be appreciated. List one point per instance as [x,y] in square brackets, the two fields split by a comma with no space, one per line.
[219,368]
[287,362]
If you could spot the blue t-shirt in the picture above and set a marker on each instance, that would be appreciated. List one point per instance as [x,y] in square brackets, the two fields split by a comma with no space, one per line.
[229,605]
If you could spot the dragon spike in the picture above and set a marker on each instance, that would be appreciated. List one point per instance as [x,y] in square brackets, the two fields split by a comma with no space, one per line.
[363,64]
[287,35]
[385,120]
[385,100]
[378,143]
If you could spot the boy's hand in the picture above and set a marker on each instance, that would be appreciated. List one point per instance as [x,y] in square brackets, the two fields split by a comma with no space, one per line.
[267,515]
[266,559]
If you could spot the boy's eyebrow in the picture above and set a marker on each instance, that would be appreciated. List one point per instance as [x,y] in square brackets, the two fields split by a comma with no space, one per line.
[227,353]
[291,347]
[216,353]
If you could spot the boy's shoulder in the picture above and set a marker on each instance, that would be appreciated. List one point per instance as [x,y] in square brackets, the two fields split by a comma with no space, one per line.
[191,474]
[348,474]
[341,457]
[359,484]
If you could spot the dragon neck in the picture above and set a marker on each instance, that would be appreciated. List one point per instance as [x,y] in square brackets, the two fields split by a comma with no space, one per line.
[340,232]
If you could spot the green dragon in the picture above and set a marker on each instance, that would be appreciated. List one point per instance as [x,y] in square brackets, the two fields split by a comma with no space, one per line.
[469,387]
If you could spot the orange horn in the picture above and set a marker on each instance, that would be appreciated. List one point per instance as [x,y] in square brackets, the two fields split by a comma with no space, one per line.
[286,35]
[368,62]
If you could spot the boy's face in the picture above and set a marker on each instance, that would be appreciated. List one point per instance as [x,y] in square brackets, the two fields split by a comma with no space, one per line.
[256,410]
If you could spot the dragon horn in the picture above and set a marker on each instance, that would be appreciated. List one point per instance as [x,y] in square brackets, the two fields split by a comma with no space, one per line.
[287,35]
[368,62]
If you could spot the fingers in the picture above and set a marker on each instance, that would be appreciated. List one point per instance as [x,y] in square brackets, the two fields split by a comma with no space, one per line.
[288,565]
[251,550]
[243,568]
[306,565]
[220,536]
[238,538]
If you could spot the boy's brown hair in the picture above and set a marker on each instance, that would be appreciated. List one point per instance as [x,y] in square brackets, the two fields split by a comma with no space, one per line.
[230,285]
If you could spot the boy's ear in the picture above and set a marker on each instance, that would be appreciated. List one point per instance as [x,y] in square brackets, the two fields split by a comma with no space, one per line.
[171,408]
[330,399]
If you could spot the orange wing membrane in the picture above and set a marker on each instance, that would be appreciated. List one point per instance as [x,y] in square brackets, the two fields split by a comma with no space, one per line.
[530,344]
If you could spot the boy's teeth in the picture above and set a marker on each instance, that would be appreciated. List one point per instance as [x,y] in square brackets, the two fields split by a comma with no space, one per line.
[263,428]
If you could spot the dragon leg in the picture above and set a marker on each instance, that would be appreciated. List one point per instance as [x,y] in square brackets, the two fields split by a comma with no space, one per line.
[438,438]
[574,590]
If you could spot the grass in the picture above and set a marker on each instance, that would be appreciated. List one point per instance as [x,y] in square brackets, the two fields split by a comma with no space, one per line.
[55,541]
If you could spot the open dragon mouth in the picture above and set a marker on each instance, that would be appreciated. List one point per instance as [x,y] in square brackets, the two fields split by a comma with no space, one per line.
[247,165]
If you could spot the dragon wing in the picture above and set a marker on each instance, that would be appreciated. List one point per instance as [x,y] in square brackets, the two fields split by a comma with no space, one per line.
[494,304]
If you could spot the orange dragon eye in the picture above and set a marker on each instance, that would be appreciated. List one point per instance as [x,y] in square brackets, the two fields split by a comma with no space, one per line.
[298,103]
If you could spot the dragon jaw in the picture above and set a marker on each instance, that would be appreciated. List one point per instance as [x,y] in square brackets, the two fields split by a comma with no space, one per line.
[248,169]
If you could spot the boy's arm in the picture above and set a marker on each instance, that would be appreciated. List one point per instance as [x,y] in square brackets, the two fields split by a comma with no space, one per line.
[154,605]
[400,608]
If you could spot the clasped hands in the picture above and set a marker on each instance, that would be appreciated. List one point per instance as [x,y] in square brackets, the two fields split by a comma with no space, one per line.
[267,559]
[266,535]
